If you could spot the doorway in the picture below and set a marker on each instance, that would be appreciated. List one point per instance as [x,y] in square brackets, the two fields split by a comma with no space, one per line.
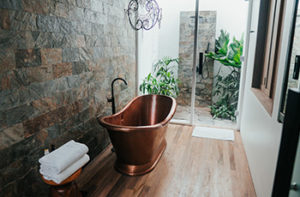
[176,39]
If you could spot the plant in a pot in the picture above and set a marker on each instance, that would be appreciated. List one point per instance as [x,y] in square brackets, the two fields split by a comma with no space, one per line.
[227,86]
[163,80]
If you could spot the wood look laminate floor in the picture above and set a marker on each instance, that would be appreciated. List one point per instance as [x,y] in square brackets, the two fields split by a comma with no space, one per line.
[190,166]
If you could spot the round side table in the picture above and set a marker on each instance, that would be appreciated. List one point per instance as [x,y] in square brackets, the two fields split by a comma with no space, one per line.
[67,188]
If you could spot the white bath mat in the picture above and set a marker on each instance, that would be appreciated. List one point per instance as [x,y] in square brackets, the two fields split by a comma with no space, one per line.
[214,133]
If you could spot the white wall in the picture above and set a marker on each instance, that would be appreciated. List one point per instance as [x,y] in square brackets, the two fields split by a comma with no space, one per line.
[147,52]
[261,133]
[231,16]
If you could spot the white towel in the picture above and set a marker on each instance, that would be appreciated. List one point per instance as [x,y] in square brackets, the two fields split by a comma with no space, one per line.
[58,160]
[58,178]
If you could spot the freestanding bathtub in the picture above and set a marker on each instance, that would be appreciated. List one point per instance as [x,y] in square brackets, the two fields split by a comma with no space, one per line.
[138,131]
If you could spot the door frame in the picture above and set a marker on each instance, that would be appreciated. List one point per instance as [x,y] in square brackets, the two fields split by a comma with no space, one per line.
[193,96]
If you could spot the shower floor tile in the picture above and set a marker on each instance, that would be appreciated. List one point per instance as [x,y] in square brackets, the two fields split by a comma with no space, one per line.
[202,117]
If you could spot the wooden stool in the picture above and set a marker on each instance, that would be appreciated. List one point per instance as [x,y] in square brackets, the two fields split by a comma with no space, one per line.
[67,188]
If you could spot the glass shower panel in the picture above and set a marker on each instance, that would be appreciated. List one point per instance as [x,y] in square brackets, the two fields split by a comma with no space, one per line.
[186,63]
[205,67]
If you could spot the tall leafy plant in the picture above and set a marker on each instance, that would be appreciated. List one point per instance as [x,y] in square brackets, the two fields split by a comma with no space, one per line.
[227,87]
[162,80]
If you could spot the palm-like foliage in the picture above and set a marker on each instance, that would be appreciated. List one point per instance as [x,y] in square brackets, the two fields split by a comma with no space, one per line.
[226,53]
[227,87]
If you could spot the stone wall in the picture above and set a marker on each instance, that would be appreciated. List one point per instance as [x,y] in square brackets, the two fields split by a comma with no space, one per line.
[57,60]
[206,34]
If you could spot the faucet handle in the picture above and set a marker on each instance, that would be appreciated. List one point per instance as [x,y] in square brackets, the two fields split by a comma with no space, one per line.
[109,99]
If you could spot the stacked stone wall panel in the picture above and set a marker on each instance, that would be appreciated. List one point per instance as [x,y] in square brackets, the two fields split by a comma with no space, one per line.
[57,60]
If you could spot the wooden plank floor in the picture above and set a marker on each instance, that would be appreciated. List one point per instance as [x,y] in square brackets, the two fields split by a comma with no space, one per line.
[190,166]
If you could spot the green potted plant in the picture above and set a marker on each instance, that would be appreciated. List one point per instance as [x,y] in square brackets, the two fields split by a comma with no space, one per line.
[162,80]
[227,87]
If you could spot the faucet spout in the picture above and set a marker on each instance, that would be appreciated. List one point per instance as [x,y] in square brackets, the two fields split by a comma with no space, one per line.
[112,99]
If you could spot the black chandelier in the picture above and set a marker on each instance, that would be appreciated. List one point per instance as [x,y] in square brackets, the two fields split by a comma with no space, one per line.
[143,14]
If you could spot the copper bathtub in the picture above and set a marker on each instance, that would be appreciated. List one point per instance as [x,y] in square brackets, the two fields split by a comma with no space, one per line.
[138,131]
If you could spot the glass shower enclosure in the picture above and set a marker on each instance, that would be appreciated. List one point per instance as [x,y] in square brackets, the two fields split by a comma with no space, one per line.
[197,33]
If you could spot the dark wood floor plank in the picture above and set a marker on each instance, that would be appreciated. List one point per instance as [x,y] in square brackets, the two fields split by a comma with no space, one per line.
[190,166]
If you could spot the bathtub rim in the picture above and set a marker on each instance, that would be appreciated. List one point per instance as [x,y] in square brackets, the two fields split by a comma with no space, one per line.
[130,128]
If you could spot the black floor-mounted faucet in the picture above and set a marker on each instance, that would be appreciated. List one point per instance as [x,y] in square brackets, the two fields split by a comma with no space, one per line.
[112,99]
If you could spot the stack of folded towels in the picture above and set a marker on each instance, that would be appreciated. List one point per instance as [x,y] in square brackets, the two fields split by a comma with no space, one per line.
[64,161]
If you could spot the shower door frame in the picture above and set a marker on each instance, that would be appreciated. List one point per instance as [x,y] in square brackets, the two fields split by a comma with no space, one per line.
[193,96]
[195,52]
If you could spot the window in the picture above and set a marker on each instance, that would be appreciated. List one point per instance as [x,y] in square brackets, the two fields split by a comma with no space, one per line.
[267,51]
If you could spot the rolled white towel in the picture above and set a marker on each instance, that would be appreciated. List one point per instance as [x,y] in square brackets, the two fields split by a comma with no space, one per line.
[60,159]
[58,178]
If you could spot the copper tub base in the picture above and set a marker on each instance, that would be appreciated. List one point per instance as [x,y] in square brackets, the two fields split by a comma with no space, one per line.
[136,170]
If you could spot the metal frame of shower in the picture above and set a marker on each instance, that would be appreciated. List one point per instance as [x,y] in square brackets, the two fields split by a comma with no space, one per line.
[194,63]
[193,96]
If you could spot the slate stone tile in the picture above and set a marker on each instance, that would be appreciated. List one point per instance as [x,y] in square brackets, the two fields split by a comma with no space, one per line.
[70,41]
[21,20]
[97,29]
[90,15]
[11,154]
[85,54]
[83,3]
[37,6]
[102,19]
[70,54]
[84,28]
[28,57]
[98,53]
[7,80]
[8,39]
[61,84]
[97,5]
[62,69]
[53,132]
[79,67]
[51,55]
[47,120]
[44,105]
[61,9]
[79,41]
[48,23]
[11,4]
[11,135]
[41,39]
[68,2]
[18,114]
[76,13]
[58,40]
[7,60]
[25,40]
[35,74]
[41,90]
[65,26]
[8,98]
[73,81]
[4,19]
